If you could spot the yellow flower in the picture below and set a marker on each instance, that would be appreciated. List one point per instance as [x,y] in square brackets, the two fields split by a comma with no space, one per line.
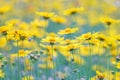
[39,23]
[2,41]
[67,31]
[23,26]
[117,75]
[20,35]
[86,36]
[52,39]
[4,30]
[45,15]
[37,32]
[118,65]
[51,51]
[28,78]
[72,47]
[68,41]
[4,9]
[77,59]
[100,75]
[59,19]
[13,57]
[27,44]
[23,35]
[22,53]
[117,37]
[94,42]
[108,21]
[13,22]
[28,65]
[108,75]
[73,11]
[101,37]
[2,74]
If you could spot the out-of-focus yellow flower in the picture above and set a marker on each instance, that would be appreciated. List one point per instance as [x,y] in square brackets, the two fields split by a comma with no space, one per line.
[2,74]
[28,65]
[37,32]
[68,41]
[118,65]
[4,30]
[27,44]
[28,78]
[45,15]
[39,23]
[117,75]
[86,36]
[67,31]
[23,35]
[17,35]
[94,42]
[2,41]
[76,59]
[13,22]
[59,19]
[100,75]
[71,47]
[20,35]
[64,52]
[22,53]
[4,9]
[101,37]
[73,11]
[13,57]
[117,37]
[52,39]
[108,75]
[108,21]
[51,51]
[23,26]
[85,50]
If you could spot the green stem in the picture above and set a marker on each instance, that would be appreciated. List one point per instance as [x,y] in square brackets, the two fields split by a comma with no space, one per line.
[78,65]
[90,61]
[117,53]
[99,51]
[18,65]
[108,64]
[53,62]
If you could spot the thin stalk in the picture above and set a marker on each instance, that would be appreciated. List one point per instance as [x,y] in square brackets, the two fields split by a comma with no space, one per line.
[78,65]
[117,53]
[24,61]
[72,65]
[108,64]
[90,60]
[99,51]
[19,75]
[53,62]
